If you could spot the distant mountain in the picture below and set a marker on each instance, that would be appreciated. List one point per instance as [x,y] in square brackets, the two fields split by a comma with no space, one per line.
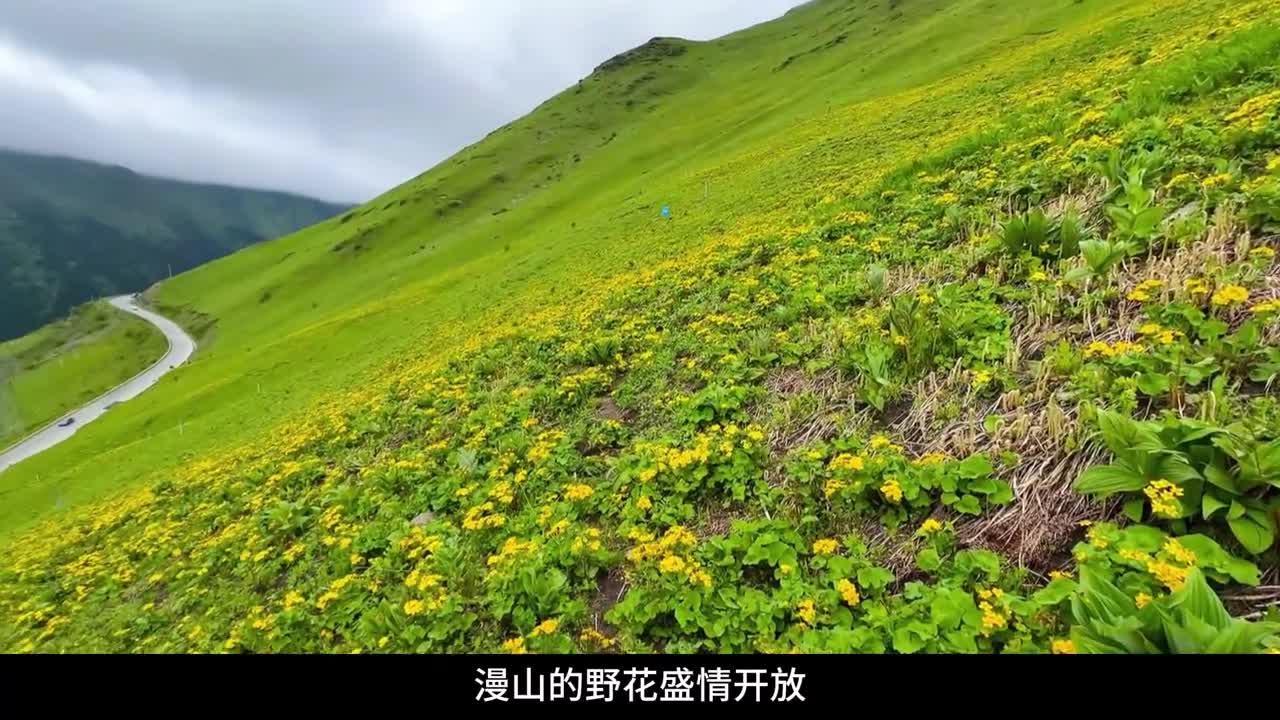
[72,230]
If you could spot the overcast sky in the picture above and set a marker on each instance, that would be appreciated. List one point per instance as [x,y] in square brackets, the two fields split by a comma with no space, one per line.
[340,99]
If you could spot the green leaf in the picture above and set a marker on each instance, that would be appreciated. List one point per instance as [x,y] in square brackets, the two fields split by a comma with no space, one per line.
[1108,480]
[1135,508]
[969,505]
[1211,329]
[1255,537]
[1002,494]
[1237,510]
[874,578]
[1198,600]
[1055,592]
[1211,556]
[975,466]
[991,423]
[1210,505]
[1219,477]
[928,560]
[983,486]
[1153,384]
[1175,468]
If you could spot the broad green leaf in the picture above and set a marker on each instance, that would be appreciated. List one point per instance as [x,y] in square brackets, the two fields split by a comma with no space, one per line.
[1153,384]
[1255,538]
[1219,477]
[983,486]
[1210,505]
[1135,508]
[975,466]
[1175,469]
[928,560]
[1055,592]
[1002,494]
[969,505]
[1199,601]
[874,578]
[1211,328]
[1108,480]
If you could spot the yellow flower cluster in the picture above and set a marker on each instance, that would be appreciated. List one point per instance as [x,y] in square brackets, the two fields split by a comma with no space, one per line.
[1196,286]
[848,592]
[1255,110]
[806,611]
[931,458]
[994,616]
[846,462]
[891,490]
[481,517]
[577,491]
[1164,497]
[825,546]
[1230,295]
[1158,333]
[1100,348]
[1142,293]
[546,627]
[1062,646]
[930,526]
[1266,307]
[511,548]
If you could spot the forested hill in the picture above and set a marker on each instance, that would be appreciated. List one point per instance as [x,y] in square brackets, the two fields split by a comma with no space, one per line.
[72,230]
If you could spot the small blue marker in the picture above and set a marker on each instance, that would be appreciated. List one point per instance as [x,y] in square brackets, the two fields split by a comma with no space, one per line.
[666,211]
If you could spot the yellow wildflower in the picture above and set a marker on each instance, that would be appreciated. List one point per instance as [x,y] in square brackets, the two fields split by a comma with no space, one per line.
[1168,574]
[930,526]
[891,490]
[1196,286]
[1229,295]
[846,461]
[825,546]
[414,607]
[1142,600]
[546,627]
[1266,306]
[672,564]
[848,592]
[1063,646]
[515,646]
[577,491]
[1179,552]
[644,503]
[806,611]
[1164,497]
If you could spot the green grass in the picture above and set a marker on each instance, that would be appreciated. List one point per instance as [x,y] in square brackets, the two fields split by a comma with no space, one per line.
[725,134]
[63,365]
[849,400]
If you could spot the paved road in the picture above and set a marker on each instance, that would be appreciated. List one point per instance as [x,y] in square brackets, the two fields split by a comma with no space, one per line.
[180,348]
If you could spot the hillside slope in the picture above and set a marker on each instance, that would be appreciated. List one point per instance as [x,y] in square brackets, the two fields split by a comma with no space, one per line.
[72,231]
[961,337]
[64,364]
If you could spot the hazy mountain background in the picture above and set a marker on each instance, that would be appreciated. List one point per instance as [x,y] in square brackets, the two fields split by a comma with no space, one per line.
[71,231]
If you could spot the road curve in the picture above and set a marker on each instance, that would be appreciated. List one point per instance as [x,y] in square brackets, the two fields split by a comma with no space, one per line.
[181,346]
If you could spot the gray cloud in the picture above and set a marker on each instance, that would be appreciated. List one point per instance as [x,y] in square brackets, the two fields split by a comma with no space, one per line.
[340,100]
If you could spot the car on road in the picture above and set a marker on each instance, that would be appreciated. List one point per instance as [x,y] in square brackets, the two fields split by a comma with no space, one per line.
[67,423]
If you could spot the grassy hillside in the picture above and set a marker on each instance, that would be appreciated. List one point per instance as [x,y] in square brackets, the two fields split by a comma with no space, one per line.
[72,231]
[65,364]
[929,266]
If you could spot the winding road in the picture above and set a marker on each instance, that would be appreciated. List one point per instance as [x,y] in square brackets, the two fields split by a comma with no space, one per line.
[181,346]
